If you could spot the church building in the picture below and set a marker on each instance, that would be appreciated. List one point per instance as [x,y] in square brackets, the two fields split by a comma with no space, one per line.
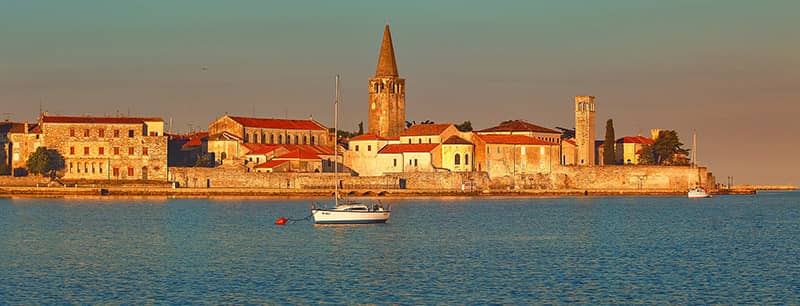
[387,94]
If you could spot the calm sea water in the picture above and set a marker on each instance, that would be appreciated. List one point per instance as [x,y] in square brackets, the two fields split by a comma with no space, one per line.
[729,249]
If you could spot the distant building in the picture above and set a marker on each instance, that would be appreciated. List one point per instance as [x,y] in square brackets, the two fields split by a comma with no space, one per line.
[228,134]
[585,130]
[520,127]
[387,93]
[19,140]
[108,148]
[511,155]
[184,150]
[629,149]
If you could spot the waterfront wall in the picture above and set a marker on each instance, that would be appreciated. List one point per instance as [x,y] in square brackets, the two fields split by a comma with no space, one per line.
[631,177]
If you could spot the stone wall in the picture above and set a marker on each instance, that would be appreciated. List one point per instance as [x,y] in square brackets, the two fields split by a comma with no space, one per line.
[630,177]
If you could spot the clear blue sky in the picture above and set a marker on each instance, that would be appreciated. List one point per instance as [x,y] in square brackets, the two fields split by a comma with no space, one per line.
[728,68]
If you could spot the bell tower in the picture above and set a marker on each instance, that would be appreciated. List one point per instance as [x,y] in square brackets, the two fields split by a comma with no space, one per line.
[387,93]
[584,129]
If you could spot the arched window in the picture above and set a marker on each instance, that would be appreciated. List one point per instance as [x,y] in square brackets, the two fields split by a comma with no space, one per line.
[255,138]
[296,139]
[356,148]
[466,159]
[305,139]
[312,140]
[223,156]
[457,159]
[263,138]
[271,138]
[246,138]
[280,139]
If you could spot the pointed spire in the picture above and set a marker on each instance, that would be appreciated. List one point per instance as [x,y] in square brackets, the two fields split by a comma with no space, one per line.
[386,63]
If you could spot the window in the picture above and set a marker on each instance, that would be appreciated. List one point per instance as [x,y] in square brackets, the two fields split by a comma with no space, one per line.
[255,138]
[409,162]
[246,138]
[153,133]
[130,151]
[85,150]
[312,140]
[101,133]
[263,138]
[305,139]
[85,167]
[101,151]
[92,167]
[130,133]
[466,159]
[116,150]
[419,140]
[271,138]
[280,139]
[415,162]
[100,168]
[130,171]
[116,133]
[78,168]
[144,150]
[356,148]
[296,139]
[70,167]
[71,150]
[457,159]
[409,141]
[369,148]
[86,133]
[429,140]
[116,171]
[395,162]
[71,132]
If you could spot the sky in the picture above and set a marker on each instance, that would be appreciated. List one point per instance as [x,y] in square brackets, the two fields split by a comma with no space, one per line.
[728,69]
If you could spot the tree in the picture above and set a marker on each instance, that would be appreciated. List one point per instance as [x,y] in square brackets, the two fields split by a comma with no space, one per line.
[4,167]
[361,128]
[45,162]
[466,126]
[665,150]
[203,160]
[609,153]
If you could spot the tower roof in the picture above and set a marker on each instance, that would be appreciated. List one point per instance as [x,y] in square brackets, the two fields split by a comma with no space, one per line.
[386,62]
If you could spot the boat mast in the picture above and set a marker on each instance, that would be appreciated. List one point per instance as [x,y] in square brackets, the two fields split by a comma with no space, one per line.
[335,144]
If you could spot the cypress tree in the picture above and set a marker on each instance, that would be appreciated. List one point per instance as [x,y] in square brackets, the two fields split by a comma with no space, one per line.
[609,154]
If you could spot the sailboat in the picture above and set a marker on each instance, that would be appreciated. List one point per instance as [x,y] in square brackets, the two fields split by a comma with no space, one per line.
[698,191]
[346,212]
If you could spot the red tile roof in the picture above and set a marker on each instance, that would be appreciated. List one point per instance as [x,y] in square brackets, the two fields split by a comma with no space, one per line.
[257,148]
[513,139]
[367,136]
[106,120]
[299,154]
[519,126]
[408,148]
[284,124]
[426,129]
[271,164]
[195,140]
[456,140]
[635,139]
[570,141]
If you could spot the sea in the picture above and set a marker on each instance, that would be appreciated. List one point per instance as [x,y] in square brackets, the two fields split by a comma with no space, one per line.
[741,249]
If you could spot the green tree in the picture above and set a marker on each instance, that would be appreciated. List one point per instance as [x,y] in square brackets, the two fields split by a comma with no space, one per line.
[609,153]
[4,168]
[665,150]
[465,126]
[45,162]
[203,160]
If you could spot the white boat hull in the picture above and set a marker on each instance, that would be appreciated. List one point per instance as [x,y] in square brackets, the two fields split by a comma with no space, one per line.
[331,216]
[698,193]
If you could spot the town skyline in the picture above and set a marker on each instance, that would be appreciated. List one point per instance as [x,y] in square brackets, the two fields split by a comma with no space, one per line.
[463,66]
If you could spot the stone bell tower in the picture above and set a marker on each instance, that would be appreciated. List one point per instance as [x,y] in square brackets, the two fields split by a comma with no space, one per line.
[584,129]
[387,94]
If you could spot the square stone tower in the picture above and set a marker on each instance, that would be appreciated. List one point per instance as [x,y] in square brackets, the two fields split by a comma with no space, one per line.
[584,129]
[387,94]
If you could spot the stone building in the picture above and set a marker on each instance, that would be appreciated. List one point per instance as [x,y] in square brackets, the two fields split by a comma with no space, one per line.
[585,130]
[521,127]
[512,155]
[19,140]
[228,133]
[629,149]
[387,93]
[108,148]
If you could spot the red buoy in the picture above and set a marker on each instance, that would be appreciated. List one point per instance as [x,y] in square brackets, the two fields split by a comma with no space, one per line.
[281,221]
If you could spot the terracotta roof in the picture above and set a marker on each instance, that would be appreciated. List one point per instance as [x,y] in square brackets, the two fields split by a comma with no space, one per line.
[387,66]
[513,139]
[271,164]
[257,148]
[456,140]
[519,126]
[570,141]
[19,128]
[408,148]
[299,154]
[426,129]
[285,124]
[635,139]
[195,140]
[367,136]
[106,120]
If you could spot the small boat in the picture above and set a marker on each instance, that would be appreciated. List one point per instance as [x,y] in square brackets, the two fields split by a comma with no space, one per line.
[346,212]
[698,192]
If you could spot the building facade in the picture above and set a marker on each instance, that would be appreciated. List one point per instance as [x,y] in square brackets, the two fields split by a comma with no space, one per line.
[512,155]
[19,140]
[108,148]
[585,130]
[387,93]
